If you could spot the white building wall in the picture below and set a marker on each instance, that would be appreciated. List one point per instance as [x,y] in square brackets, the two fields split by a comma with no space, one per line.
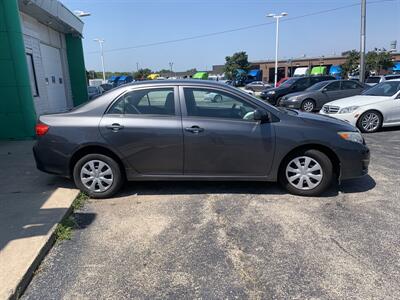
[36,33]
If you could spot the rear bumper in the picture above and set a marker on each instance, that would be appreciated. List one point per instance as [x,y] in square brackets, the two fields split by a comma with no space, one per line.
[355,163]
[49,161]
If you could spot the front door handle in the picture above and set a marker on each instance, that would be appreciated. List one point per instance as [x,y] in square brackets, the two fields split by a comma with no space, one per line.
[115,127]
[194,129]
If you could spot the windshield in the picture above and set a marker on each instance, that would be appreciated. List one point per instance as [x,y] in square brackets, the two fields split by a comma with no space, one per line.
[385,89]
[288,82]
[317,86]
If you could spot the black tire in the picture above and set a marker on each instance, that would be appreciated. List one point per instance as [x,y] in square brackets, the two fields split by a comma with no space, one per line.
[327,173]
[278,101]
[373,114]
[117,177]
[308,105]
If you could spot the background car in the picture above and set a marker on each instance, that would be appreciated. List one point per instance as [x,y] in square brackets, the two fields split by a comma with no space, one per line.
[377,107]
[282,80]
[94,92]
[166,130]
[317,95]
[293,84]
[257,86]
[106,86]
[373,80]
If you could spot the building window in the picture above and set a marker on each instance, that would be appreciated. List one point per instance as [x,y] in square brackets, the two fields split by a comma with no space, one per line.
[32,75]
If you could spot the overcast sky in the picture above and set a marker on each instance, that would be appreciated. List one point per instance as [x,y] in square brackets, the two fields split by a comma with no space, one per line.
[130,23]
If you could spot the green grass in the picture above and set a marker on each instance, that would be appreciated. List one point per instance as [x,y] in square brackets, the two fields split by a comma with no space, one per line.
[79,201]
[65,228]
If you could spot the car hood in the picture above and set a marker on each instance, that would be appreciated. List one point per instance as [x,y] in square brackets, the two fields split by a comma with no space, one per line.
[325,121]
[359,100]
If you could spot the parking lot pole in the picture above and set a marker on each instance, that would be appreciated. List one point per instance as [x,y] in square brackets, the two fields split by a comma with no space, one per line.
[362,41]
[276,52]
[277,17]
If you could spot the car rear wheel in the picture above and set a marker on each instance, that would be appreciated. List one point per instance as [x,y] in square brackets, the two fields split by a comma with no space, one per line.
[370,121]
[98,175]
[308,105]
[307,173]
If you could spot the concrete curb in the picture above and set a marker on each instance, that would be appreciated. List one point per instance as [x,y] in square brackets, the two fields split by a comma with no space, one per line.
[47,241]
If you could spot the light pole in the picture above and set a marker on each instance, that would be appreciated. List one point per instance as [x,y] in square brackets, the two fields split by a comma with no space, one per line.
[171,64]
[277,17]
[101,41]
[362,40]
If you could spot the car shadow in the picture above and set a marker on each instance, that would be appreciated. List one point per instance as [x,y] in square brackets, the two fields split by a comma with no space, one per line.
[359,185]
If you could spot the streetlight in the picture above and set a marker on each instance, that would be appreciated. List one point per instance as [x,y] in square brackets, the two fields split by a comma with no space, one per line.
[362,40]
[277,17]
[101,41]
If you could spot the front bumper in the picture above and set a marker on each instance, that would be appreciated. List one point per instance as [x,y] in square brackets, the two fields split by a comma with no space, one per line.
[350,118]
[355,162]
[270,98]
[289,104]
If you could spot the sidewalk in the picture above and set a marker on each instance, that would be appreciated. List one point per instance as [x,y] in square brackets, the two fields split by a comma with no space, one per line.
[31,205]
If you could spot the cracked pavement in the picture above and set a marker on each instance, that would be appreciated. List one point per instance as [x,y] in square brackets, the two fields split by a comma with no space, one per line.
[231,240]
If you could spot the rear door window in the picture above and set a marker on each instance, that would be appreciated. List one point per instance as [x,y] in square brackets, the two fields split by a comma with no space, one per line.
[146,102]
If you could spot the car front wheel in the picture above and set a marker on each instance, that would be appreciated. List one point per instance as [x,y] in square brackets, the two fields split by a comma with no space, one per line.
[97,175]
[307,173]
[308,105]
[370,121]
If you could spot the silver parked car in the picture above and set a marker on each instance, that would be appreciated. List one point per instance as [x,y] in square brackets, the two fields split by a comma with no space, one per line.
[313,98]
[168,130]
[258,86]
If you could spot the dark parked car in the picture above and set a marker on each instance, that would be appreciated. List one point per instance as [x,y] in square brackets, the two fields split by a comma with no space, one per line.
[292,85]
[317,95]
[166,130]
[257,86]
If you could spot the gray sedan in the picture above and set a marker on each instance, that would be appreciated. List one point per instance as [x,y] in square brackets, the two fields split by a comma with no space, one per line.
[168,130]
[313,98]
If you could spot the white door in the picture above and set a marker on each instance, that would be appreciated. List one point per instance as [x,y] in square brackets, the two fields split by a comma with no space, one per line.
[54,78]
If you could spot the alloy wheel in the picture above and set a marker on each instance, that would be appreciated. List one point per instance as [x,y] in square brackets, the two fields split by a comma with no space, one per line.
[97,176]
[304,173]
[370,122]
[308,106]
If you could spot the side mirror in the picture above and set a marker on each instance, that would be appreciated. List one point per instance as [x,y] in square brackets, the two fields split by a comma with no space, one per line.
[324,90]
[261,115]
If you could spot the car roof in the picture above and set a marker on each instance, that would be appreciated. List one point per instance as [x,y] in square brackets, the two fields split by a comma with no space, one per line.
[178,82]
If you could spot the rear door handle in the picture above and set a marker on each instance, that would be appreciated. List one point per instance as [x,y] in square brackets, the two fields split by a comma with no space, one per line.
[115,127]
[194,129]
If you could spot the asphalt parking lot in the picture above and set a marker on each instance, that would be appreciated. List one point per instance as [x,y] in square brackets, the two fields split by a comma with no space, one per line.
[236,240]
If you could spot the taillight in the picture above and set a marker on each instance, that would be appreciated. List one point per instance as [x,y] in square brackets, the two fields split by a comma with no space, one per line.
[41,129]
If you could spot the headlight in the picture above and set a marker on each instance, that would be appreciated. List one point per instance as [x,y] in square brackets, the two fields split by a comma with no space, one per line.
[294,98]
[351,136]
[271,93]
[347,110]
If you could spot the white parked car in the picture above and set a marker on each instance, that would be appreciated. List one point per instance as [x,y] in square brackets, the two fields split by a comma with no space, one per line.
[373,80]
[376,107]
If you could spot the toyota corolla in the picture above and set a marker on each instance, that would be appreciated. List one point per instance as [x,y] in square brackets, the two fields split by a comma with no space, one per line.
[169,130]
